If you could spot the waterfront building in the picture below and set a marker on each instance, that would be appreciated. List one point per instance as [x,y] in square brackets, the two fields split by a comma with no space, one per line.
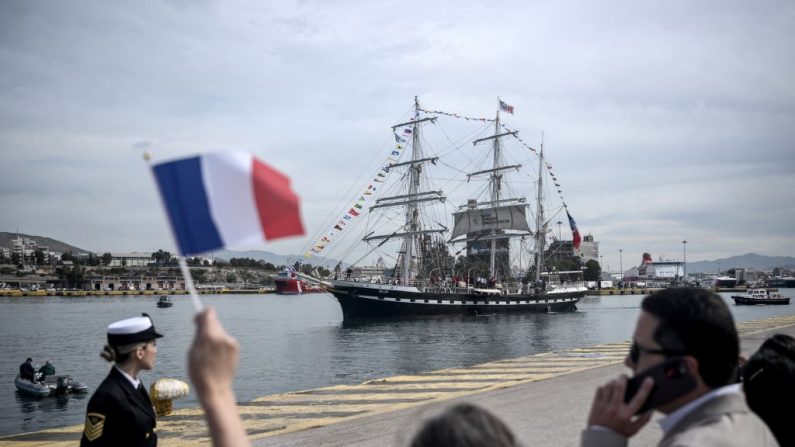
[134,259]
[589,249]
[134,283]
[738,274]
[370,272]
[26,249]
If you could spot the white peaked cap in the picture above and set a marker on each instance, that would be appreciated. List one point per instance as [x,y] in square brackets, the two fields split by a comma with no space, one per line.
[130,325]
[132,330]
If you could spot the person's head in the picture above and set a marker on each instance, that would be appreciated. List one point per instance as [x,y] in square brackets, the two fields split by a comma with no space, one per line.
[694,324]
[464,425]
[769,385]
[132,341]
[29,360]
[47,362]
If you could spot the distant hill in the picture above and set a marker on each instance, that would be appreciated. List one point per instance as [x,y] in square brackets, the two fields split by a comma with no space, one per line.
[750,260]
[276,259]
[54,245]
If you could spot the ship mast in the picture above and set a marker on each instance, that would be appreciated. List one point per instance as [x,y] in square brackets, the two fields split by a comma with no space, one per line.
[495,180]
[412,229]
[540,233]
[414,184]
[495,194]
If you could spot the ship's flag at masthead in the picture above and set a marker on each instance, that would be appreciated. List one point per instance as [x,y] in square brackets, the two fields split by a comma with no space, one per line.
[505,107]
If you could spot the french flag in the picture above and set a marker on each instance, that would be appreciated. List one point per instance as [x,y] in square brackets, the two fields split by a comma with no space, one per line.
[224,199]
[575,232]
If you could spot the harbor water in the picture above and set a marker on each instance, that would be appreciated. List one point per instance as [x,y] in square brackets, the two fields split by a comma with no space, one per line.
[288,343]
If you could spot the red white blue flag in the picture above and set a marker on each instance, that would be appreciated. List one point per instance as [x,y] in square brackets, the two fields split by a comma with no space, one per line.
[225,199]
[505,107]
[575,232]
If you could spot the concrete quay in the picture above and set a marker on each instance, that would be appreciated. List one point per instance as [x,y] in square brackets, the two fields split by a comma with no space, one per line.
[544,398]
[549,411]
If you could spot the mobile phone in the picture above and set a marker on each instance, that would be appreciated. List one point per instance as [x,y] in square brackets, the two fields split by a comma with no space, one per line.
[672,379]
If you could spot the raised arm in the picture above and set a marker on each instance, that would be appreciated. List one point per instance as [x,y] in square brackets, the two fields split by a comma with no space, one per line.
[212,361]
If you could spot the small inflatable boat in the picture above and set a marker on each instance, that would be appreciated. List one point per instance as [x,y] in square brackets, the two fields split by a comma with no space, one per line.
[50,385]
[31,388]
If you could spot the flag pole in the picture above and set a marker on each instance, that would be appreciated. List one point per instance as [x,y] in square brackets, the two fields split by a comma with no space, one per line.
[197,303]
[183,266]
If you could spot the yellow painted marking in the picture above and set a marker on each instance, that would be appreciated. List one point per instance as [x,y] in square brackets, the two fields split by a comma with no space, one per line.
[299,410]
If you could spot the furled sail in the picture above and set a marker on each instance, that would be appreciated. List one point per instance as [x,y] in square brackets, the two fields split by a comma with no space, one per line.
[510,217]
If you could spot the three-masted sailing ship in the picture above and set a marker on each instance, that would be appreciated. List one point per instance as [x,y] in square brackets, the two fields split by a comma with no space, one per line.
[426,279]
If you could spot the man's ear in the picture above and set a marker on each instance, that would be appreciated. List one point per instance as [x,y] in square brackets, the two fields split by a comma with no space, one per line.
[692,366]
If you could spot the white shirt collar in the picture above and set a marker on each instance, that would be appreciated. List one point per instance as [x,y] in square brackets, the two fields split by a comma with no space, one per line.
[674,417]
[134,382]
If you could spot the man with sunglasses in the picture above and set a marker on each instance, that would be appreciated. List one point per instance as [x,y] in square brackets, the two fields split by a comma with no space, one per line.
[696,327]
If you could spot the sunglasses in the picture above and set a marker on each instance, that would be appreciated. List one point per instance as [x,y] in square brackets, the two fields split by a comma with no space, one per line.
[635,350]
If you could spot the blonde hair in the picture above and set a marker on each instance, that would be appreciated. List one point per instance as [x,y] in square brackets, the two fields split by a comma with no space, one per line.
[119,354]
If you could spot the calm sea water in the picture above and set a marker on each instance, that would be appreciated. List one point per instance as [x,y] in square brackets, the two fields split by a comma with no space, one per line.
[288,343]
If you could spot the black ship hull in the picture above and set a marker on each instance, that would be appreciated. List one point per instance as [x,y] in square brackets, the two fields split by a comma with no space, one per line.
[364,300]
[781,282]
[741,300]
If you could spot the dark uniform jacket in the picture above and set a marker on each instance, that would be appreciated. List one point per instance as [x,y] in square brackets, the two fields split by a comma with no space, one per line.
[119,415]
[26,371]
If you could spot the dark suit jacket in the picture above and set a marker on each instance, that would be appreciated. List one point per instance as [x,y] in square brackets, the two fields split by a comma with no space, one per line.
[119,415]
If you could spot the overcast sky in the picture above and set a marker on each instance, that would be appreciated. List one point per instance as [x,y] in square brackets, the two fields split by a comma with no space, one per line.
[665,121]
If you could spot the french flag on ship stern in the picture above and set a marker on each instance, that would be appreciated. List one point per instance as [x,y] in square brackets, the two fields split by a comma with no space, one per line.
[575,232]
[224,199]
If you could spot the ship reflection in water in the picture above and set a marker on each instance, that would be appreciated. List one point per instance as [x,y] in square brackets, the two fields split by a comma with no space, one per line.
[288,343]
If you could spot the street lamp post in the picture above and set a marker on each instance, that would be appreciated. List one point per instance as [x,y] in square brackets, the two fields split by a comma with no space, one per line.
[684,264]
[621,265]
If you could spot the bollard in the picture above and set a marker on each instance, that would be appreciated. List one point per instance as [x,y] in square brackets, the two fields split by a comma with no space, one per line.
[164,391]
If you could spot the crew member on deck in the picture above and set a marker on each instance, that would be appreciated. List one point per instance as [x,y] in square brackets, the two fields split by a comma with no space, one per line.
[120,412]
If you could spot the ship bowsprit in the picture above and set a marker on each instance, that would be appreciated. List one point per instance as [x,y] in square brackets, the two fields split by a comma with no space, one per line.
[364,300]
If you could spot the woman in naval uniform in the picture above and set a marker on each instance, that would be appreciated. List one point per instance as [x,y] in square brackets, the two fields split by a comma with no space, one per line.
[120,412]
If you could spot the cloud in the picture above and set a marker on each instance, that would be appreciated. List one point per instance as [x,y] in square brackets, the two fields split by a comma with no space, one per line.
[665,120]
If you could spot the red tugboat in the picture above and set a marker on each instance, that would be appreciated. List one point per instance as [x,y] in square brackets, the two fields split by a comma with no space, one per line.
[290,282]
